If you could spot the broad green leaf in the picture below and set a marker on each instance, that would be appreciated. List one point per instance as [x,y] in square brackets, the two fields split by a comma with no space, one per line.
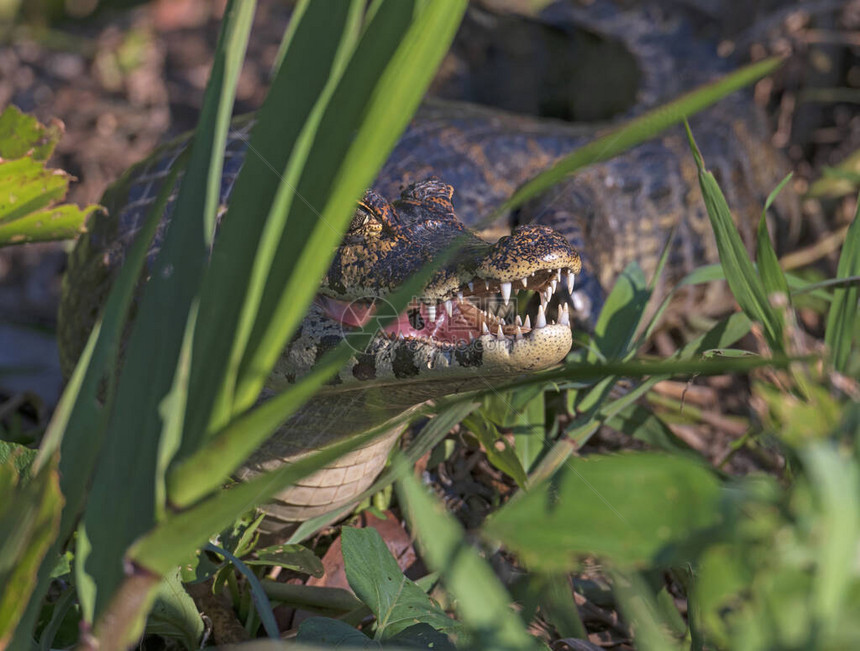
[174,614]
[28,194]
[842,322]
[740,273]
[836,481]
[333,633]
[421,636]
[483,604]
[52,223]
[122,504]
[637,507]
[29,190]
[23,135]
[768,264]
[29,519]
[376,579]
[639,130]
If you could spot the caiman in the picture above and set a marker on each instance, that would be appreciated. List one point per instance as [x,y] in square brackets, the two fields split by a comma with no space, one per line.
[571,242]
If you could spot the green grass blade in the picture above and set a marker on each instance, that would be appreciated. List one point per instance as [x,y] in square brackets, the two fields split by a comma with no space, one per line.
[77,425]
[29,520]
[772,276]
[842,321]
[640,608]
[483,604]
[387,105]
[172,540]
[431,434]
[320,37]
[122,503]
[640,129]
[741,275]
[211,465]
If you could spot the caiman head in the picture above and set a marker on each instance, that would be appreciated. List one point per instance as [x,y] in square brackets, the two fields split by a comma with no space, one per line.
[464,322]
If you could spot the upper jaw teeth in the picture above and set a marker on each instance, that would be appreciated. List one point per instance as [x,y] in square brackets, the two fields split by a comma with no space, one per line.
[494,319]
[506,292]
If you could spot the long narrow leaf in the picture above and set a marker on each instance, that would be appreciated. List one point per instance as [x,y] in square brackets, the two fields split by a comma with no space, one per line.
[122,502]
[768,264]
[842,318]
[362,152]
[640,129]
[387,108]
[321,36]
[77,425]
[482,601]
[740,273]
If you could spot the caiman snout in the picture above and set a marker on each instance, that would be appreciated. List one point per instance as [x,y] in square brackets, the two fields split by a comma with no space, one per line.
[466,316]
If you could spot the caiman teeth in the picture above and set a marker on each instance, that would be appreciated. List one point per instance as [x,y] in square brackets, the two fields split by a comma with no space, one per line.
[483,314]
[540,322]
[506,292]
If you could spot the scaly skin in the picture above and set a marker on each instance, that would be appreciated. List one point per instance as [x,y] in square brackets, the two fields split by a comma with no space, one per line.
[612,213]
[445,342]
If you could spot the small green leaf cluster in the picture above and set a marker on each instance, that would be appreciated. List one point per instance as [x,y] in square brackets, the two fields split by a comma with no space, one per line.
[29,191]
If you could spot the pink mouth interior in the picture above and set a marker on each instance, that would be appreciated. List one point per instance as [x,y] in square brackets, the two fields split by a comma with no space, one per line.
[462,326]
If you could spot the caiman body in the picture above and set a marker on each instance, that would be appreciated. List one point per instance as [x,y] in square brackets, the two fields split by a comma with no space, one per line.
[611,214]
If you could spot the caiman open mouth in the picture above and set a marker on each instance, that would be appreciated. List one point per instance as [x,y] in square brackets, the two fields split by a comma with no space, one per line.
[481,307]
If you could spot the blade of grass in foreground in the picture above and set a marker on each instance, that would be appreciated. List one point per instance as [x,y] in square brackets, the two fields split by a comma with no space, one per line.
[842,317]
[319,39]
[362,146]
[77,425]
[304,252]
[483,603]
[745,283]
[772,275]
[639,130]
[122,502]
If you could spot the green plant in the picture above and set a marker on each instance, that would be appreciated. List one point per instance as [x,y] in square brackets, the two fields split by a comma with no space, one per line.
[142,475]
[30,191]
